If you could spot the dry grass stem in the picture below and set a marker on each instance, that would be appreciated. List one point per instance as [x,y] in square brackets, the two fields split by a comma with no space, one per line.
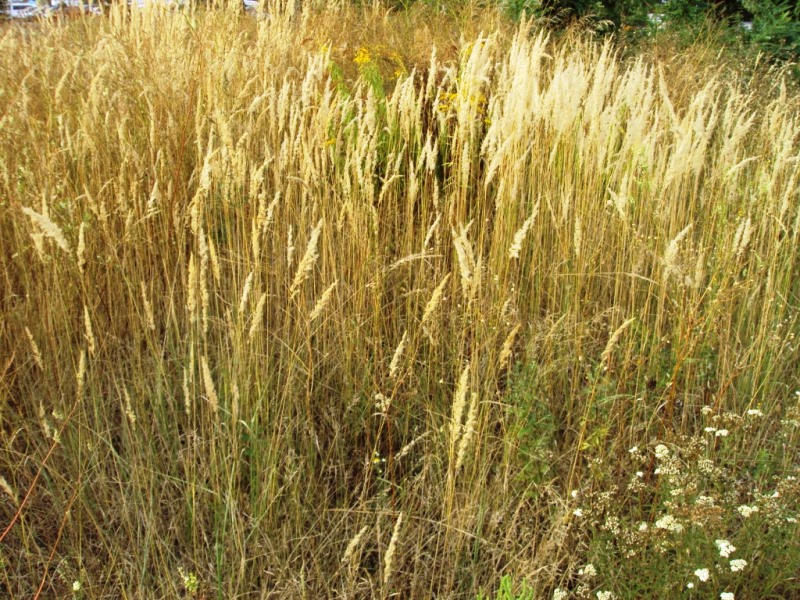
[48,227]
[89,332]
[258,316]
[307,262]
[389,557]
[353,545]
[398,355]
[323,301]
[208,385]
[35,352]
[612,341]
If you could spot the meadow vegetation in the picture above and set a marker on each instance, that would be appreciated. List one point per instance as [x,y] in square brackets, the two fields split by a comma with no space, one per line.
[357,303]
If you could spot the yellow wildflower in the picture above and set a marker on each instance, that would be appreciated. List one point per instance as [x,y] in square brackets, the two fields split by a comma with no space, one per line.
[362,56]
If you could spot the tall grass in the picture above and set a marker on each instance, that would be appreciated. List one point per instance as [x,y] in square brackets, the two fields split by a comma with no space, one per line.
[285,315]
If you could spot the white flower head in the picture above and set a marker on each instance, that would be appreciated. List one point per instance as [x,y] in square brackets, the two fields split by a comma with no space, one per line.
[722,433]
[662,451]
[746,511]
[702,574]
[577,512]
[559,594]
[76,586]
[588,571]
[605,595]
[633,450]
[690,585]
[754,412]
[669,523]
[726,596]
[738,564]
[725,548]
[706,410]
[710,429]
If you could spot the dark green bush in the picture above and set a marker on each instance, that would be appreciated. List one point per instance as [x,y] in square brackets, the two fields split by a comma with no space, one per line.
[774,25]
[776,28]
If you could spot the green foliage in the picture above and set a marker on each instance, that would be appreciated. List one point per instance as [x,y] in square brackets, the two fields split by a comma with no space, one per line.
[506,591]
[687,12]
[776,28]
[516,9]
[534,429]
[603,14]
[775,23]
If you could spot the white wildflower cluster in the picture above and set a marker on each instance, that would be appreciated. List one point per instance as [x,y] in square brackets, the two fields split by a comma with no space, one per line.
[605,596]
[588,571]
[725,548]
[670,466]
[706,410]
[732,418]
[606,499]
[382,403]
[636,484]
[631,541]
[702,574]
[746,511]
[754,412]
[738,564]
[721,433]
[662,452]
[559,594]
[706,466]
[636,454]
[726,596]
[612,525]
[696,444]
[669,523]
[705,501]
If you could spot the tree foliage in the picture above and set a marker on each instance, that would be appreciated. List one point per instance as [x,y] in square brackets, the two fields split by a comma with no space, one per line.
[773,26]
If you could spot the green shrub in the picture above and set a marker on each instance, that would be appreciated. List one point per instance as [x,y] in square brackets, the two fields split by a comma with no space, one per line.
[776,28]
[506,591]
